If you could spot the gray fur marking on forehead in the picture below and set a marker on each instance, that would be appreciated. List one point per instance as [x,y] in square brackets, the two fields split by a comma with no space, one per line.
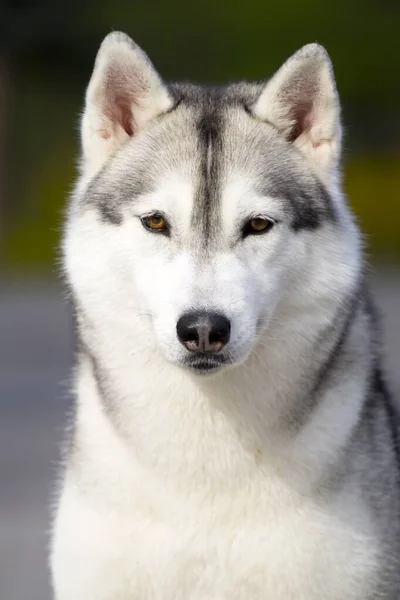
[307,198]
[212,130]
[209,132]
[108,195]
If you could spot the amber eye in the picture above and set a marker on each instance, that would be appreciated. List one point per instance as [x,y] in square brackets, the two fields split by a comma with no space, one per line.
[258,225]
[155,223]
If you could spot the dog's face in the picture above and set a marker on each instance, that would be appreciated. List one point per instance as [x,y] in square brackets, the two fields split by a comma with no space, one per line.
[196,208]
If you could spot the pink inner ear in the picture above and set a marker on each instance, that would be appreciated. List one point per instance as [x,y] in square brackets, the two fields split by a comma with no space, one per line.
[118,109]
[124,115]
[302,117]
[300,96]
[123,91]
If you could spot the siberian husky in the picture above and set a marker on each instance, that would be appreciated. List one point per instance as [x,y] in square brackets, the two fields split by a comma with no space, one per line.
[233,437]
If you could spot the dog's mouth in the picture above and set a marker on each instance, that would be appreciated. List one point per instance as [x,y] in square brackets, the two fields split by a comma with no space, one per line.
[204,365]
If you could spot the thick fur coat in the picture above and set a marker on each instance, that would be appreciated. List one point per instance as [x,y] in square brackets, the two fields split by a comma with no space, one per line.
[252,459]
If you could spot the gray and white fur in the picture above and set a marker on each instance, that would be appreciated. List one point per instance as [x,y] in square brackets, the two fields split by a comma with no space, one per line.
[233,436]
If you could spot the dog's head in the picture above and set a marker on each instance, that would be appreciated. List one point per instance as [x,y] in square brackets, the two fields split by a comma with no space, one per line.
[200,210]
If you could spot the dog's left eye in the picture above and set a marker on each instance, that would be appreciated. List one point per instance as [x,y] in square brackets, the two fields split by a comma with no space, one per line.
[155,223]
[257,226]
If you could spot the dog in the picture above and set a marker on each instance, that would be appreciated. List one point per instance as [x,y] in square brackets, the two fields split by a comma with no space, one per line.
[233,436]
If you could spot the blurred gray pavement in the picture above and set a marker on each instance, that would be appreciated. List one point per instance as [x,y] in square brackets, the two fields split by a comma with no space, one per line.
[35,362]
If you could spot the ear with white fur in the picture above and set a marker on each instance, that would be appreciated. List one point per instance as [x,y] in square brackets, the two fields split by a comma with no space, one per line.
[124,93]
[301,101]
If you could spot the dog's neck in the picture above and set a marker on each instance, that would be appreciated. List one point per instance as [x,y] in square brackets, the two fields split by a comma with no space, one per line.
[266,413]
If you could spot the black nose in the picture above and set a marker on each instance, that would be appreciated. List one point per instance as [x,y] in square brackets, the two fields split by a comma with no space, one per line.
[203,331]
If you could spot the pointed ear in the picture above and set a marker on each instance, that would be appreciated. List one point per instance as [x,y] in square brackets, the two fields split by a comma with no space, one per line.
[124,93]
[301,101]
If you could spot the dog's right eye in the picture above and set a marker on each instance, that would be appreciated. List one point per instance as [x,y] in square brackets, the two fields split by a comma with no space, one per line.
[155,223]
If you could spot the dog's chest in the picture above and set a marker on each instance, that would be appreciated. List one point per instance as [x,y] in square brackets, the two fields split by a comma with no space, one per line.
[293,556]
[229,553]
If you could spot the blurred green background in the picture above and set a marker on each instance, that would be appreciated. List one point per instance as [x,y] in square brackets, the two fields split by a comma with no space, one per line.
[47,50]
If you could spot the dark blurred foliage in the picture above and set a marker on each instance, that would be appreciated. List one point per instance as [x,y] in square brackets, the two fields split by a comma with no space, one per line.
[47,50]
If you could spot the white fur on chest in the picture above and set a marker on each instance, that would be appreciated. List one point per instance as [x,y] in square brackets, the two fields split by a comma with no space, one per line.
[227,548]
[123,533]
